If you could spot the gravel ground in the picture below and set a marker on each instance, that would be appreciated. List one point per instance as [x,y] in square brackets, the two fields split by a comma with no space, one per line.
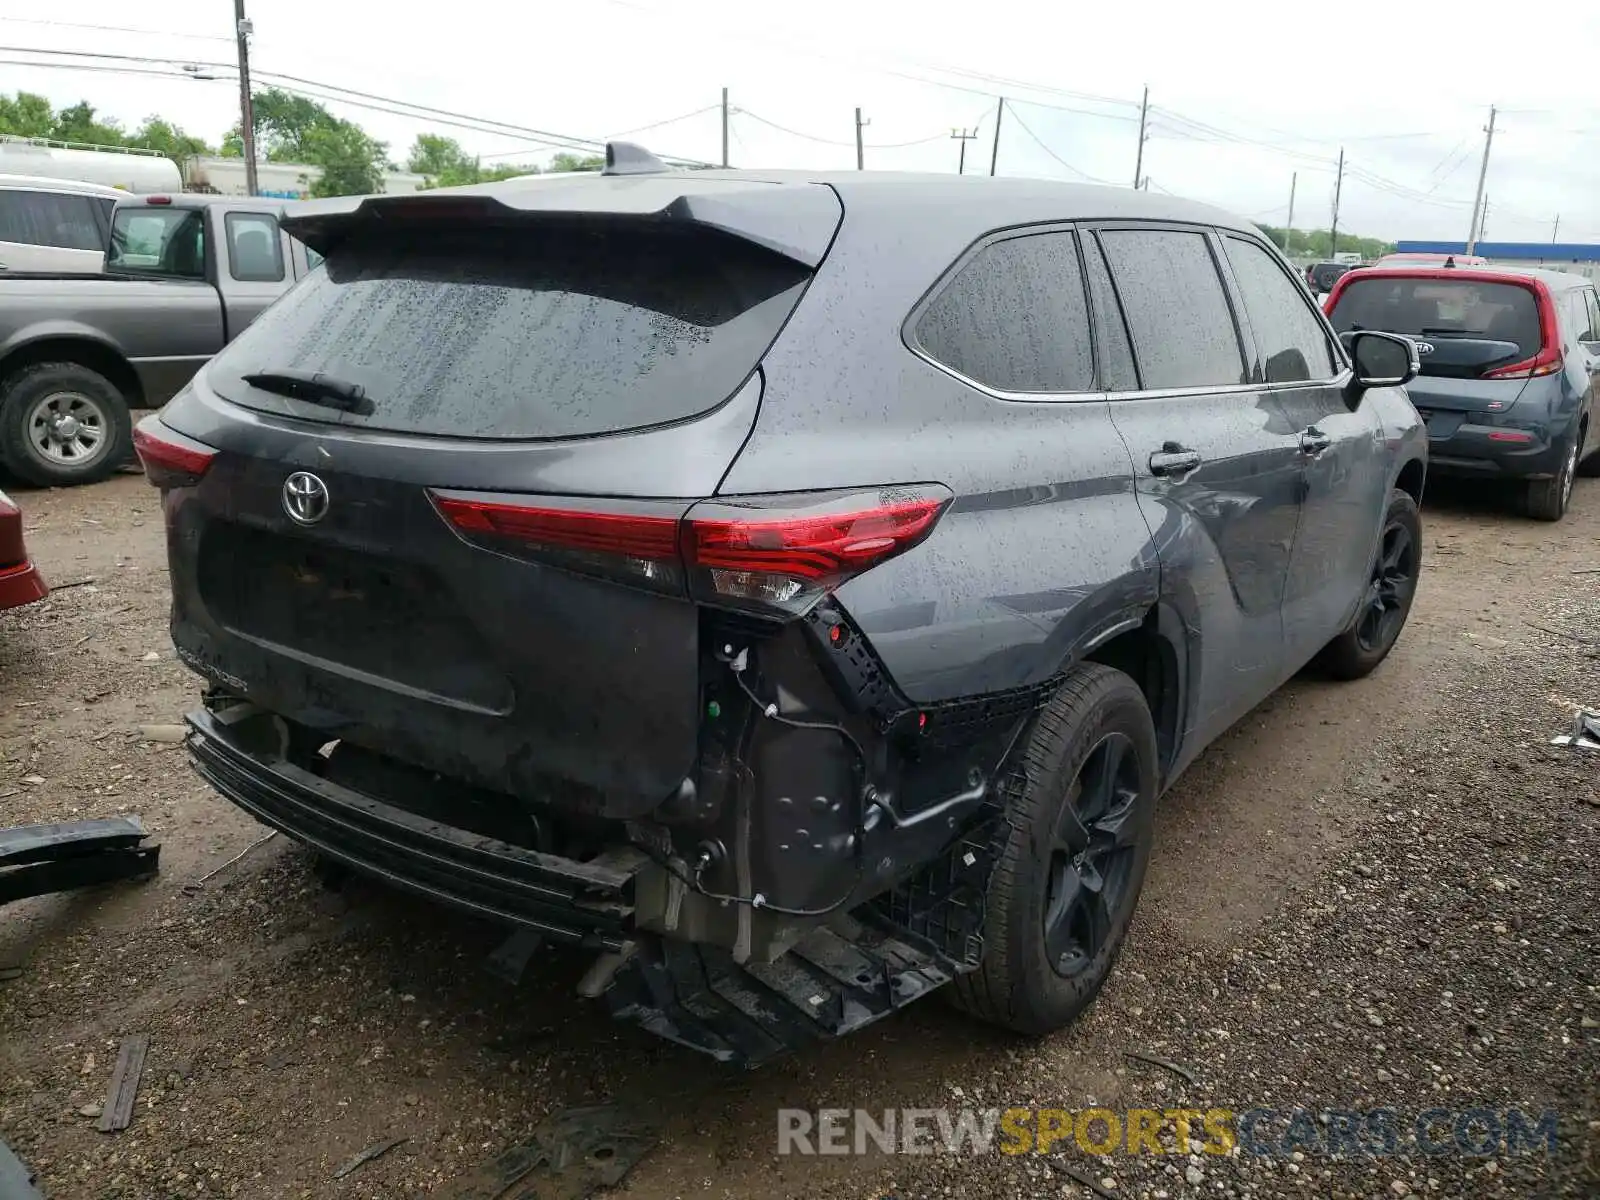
[1370,895]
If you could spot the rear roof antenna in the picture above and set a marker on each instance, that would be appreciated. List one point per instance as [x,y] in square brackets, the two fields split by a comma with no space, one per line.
[1450,260]
[625,158]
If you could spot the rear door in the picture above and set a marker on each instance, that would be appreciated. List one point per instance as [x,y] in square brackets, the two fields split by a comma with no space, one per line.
[1342,452]
[253,265]
[1216,465]
[50,231]
[475,568]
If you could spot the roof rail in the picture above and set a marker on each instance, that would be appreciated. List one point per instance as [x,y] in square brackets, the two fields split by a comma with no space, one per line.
[625,158]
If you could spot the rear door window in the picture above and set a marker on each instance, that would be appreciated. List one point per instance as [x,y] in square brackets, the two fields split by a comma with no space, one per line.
[56,219]
[1015,317]
[560,331]
[255,251]
[1183,330]
[1291,338]
[1592,303]
[1432,306]
[1117,373]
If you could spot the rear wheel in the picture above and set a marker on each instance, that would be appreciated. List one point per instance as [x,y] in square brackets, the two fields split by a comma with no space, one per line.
[62,424]
[1386,604]
[1547,499]
[1080,807]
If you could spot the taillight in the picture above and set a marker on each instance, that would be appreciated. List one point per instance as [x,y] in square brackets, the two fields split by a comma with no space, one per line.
[1547,362]
[788,552]
[777,555]
[170,459]
[633,543]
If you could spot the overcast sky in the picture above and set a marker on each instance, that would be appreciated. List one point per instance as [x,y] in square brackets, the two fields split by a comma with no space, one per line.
[1243,94]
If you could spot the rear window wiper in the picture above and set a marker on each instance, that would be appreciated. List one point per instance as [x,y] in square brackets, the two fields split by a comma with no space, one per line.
[314,388]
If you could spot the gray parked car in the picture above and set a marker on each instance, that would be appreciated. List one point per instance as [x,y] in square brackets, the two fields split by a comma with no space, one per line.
[794,588]
[1509,360]
[184,274]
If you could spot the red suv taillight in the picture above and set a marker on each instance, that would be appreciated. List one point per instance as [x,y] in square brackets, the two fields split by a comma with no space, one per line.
[169,458]
[776,555]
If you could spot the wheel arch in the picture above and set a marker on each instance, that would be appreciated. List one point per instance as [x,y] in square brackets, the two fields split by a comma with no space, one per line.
[1411,479]
[1151,654]
[84,350]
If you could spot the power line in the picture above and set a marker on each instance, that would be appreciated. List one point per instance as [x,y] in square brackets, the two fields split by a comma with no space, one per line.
[658,124]
[196,37]
[811,137]
[1015,116]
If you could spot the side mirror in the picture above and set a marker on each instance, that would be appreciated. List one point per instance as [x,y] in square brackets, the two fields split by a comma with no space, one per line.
[1382,359]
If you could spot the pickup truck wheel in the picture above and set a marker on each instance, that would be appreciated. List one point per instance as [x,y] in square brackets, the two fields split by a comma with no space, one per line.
[1386,603]
[1547,499]
[1080,805]
[62,424]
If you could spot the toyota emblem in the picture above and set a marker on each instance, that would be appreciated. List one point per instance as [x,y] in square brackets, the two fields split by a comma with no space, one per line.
[305,498]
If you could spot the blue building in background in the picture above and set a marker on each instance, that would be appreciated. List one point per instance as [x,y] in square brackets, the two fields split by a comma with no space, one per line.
[1580,258]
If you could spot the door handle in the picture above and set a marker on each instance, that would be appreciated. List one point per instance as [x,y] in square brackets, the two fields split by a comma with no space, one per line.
[1313,441]
[1173,459]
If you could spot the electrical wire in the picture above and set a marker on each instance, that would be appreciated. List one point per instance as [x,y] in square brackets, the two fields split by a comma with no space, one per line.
[197,37]
[1040,143]
[658,124]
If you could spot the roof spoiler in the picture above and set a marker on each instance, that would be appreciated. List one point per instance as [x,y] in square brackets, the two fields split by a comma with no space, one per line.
[797,221]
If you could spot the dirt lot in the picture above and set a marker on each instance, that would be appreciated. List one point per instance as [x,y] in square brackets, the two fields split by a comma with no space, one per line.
[1381,894]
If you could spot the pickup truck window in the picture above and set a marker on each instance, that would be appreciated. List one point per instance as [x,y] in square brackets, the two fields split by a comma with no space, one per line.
[158,241]
[255,251]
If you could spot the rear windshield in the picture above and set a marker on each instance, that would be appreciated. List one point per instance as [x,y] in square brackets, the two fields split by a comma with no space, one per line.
[1433,307]
[547,332]
[1325,275]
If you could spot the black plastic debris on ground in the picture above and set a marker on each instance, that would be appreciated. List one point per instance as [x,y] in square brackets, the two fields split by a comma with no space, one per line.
[571,1155]
[39,859]
[376,1150]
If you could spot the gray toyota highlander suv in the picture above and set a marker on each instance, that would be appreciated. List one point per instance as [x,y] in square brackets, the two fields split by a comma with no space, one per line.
[793,589]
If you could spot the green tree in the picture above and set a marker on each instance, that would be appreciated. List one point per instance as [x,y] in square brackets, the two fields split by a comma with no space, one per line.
[352,162]
[566,161]
[78,123]
[26,115]
[1317,243]
[445,164]
[164,137]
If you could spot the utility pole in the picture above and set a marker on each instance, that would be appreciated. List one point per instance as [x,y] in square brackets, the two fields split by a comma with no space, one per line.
[1338,190]
[724,127]
[1483,174]
[861,161]
[1138,162]
[1288,229]
[962,136]
[1555,230]
[994,155]
[1483,221]
[247,109]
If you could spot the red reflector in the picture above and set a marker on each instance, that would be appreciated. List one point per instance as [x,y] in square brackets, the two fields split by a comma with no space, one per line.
[169,458]
[1509,435]
[614,533]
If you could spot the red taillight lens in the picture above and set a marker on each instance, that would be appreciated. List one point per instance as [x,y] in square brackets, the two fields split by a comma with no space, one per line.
[1547,362]
[773,554]
[787,552]
[170,460]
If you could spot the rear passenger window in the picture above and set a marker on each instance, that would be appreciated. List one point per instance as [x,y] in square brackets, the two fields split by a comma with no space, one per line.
[1015,318]
[55,219]
[1593,303]
[1292,341]
[1580,327]
[1117,372]
[1178,312]
[255,251]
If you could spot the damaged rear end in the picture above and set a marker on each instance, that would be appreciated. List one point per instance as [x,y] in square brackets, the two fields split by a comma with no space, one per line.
[447,543]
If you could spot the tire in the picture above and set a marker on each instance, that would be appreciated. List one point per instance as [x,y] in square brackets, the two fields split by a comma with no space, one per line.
[1376,625]
[33,396]
[1547,499]
[1097,714]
